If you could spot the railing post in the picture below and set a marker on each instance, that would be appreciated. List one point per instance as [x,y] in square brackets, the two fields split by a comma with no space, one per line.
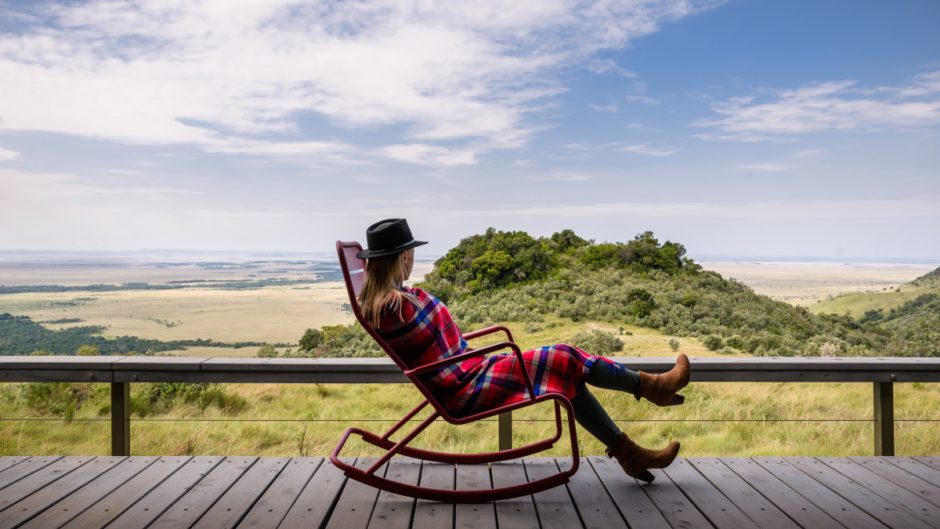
[505,430]
[120,418]
[884,418]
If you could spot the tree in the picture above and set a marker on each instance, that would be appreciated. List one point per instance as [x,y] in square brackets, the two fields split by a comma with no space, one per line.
[311,340]
[267,351]
[88,350]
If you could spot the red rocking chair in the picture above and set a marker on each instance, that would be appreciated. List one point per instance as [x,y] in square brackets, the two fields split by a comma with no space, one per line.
[354,275]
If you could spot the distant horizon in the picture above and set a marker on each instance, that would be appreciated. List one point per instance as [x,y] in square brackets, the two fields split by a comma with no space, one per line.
[428,257]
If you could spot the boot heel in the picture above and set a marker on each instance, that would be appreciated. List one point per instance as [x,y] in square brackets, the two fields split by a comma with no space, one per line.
[646,476]
[676,400]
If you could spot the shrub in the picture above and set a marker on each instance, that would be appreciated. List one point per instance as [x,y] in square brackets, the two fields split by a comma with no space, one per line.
[712,342]
[598,342]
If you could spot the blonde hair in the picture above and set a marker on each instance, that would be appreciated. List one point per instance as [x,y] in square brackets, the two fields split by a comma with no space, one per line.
[381,289]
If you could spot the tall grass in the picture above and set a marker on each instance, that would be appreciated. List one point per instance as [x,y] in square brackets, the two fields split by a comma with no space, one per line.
[718,419]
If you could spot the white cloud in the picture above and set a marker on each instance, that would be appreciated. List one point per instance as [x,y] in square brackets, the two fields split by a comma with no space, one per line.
[562,177]
[633,126]
[643,148]
[213,74]
[766,167]
[603,108]
[827,106]
[7,155]
[600,66]
[924,206]
[808,153]
[635,98]
[424,154]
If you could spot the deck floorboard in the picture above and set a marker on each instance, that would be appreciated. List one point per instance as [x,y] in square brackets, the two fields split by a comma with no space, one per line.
[271,492]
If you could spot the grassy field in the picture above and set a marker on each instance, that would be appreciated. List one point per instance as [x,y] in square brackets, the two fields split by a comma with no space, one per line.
[719,419]
[726,419]
[811,284]
[857,303]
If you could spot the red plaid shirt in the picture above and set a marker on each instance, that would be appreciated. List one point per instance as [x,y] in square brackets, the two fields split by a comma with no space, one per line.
[426,333]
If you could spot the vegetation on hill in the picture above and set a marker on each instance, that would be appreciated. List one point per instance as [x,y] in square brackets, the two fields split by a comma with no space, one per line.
[19,335]
[511,276]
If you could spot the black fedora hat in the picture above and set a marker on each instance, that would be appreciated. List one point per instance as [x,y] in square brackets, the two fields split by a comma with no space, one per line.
[388,237]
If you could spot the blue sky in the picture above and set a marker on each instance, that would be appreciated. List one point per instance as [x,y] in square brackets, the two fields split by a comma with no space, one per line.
[748,127]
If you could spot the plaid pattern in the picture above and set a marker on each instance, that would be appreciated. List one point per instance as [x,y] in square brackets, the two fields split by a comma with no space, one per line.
[426,332]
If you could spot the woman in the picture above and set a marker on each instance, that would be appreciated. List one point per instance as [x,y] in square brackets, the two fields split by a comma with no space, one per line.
[420,329]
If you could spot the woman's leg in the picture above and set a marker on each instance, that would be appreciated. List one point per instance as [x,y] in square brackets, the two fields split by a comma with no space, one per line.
[607,374]
[592,416]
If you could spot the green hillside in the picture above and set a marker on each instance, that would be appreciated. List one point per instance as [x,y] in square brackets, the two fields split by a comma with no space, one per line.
[511,276]
[856,304]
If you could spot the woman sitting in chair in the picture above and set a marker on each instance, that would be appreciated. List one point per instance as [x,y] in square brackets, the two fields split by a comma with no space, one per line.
[420,329]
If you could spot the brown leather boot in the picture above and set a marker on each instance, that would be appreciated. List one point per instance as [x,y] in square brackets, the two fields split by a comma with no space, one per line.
[661,388]
[636,460]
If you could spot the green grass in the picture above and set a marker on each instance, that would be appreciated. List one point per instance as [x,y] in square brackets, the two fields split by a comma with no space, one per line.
[857,303]
[718,419]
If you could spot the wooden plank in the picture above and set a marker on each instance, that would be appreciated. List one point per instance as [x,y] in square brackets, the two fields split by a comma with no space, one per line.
[627,494]
[316,500]
[513,513]
[148,508]
[555,508]
[238,499]
[25,468]
[801,510]
[474,515]
[433,514]
[112,505]
[721,511]
[196,501]
[356,501]
[597,510]
[901,477]
[273,505]
[891,515]
[913,466]
[8,461]
[837,507]
[38,501]
[39,479]
[751,502]
[394,510]
[73,504]
[672,503]
[929,461]
[890,491]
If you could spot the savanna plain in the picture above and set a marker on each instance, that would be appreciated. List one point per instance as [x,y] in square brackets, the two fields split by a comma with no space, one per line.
[718,419]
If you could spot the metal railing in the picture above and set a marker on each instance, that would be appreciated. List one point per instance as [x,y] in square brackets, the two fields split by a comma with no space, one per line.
[122,371]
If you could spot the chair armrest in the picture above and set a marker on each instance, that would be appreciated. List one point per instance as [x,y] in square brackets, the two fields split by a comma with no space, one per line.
[479,352]
[488,330]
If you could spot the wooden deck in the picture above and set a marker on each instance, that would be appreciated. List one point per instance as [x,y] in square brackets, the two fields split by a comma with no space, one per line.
[241,491]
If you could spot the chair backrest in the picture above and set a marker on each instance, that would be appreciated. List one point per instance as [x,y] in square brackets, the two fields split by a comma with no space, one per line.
[354,274]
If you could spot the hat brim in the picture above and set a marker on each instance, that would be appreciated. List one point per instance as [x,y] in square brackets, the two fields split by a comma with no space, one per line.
[368,254]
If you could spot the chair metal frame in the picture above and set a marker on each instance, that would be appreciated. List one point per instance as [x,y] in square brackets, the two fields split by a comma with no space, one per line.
[354,275]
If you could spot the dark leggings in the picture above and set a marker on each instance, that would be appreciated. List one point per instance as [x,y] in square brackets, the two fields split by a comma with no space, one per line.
[607,374]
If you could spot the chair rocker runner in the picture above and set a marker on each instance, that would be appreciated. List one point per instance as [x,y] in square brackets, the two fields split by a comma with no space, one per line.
[354,275]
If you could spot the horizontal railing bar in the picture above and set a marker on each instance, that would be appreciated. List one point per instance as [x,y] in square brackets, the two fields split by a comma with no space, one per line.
[11,419]
[383,370]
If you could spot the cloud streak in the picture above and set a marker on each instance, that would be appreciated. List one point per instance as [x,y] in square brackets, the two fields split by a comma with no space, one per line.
[828,106]
[212,74]
[7,155]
